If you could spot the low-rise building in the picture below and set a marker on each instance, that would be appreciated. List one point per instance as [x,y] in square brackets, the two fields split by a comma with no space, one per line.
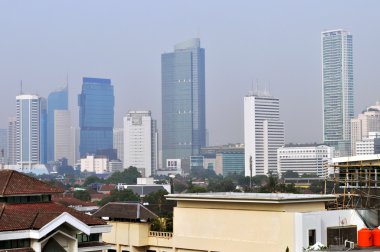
[96,164]
[305,159]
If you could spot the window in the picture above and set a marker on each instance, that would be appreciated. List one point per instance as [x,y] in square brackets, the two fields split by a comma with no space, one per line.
[311,237]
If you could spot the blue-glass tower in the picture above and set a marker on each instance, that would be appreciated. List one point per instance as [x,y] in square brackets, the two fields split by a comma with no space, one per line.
[57,100]
[96,115]
[183,101]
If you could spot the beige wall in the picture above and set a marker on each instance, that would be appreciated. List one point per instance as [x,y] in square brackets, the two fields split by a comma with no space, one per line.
[233,230]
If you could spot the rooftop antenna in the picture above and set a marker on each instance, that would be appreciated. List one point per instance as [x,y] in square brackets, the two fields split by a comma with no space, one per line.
[21,87]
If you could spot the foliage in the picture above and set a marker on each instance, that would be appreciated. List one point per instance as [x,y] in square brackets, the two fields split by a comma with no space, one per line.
[221,185]
[162,224]
[290,174]
[91,180]
[202,173]
[197,189]
[119,196]
[82,195]
[128,176]
[158,203]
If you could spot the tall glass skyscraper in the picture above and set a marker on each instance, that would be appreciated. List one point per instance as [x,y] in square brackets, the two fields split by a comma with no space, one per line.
[338,89]
[183,101]
[57,100]
[96,115]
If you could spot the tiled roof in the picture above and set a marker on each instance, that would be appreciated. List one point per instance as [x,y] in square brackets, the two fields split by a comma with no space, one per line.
[107,188]
[71,201]
[145,189]
[16,183]
[36,215]
[121,210]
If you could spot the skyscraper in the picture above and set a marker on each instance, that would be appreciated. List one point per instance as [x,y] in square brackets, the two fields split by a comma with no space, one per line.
[140,142]
[43,130]
[118,142]
[57,100]
[96,115]
[27,129]
[11,153]
[3,145]
[183,101]
[263,133]
[338,89]
[62,139]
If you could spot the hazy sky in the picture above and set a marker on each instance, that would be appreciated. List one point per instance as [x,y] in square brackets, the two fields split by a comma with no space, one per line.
[274,43]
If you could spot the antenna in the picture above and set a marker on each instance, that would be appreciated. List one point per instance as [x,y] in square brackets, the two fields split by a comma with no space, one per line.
[20,87]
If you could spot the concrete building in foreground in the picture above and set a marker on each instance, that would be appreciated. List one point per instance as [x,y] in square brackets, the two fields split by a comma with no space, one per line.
[230,222]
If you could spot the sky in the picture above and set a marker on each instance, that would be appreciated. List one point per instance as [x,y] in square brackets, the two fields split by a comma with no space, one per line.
[272,44]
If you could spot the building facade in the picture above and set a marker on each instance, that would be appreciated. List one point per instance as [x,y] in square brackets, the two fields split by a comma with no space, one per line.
[57,100]
[367,121]
[62,139]
[263,133]
[11,152]
[305,160]
[183,101]
[95,164]
[118,142]
[369,145]
[27,129]
[96,115]
[337,89]
[3,145]
[140,142]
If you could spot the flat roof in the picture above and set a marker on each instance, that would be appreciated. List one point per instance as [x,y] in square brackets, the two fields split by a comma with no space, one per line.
[275,198]
[356,158]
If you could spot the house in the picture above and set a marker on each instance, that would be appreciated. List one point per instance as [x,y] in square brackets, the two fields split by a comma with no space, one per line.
[31,221]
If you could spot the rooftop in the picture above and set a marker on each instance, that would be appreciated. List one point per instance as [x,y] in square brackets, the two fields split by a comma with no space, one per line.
[122,210]
[274,198]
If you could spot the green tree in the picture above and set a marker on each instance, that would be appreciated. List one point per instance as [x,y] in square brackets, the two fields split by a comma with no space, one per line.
[120,196]
[290,174]
[128,176]
[82,195]
[221,185]
[158,203]
[92,179]
[197,189]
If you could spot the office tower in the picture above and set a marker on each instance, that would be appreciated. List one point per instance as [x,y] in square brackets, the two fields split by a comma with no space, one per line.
[57,100]
[96,115]
[183,101]
[62,143]
[263,133]
[338,93]
[11,153]
[140,142]
[3,145]
[118,142]
[366,122]
[27,129]
[43,130]
[74,143]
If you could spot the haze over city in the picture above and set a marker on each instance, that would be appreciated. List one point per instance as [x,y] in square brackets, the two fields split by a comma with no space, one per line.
[273,45]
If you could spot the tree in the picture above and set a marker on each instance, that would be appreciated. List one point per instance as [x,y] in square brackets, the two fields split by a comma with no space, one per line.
[290,174]
[82,195]
[91,180]
[221,185]
[158,203]
[128,176]
[120,196]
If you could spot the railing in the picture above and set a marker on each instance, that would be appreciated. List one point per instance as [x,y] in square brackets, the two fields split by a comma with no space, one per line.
[167,235]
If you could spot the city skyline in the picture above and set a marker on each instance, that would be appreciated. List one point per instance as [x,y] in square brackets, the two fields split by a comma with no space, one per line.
[130,56]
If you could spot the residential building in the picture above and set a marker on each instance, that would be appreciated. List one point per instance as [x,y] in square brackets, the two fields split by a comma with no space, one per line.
[183,101]
[337,89]
[94,164]
[11,152]
[312,160]
[369,145]
[115,165]
[96,115]
[31,221]
[118,142]
[57,100]
[263,133]
[27,129]
[367,121]
[140,142]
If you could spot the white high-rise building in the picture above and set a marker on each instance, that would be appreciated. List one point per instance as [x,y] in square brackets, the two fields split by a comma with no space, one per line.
[263,133]
[140,142]
[74,146]
[367,121]
[27,129]
[62,143]
[118,142]
[369,145]
[337,89]
[11,153]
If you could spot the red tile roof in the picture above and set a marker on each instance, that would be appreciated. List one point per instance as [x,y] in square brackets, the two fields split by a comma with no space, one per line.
[107,188]
[16,183]
[123,210]
[36,215]
[71,201]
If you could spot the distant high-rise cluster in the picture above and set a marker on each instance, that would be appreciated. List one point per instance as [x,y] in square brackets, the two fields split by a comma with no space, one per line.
[338,89]
[183,101]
